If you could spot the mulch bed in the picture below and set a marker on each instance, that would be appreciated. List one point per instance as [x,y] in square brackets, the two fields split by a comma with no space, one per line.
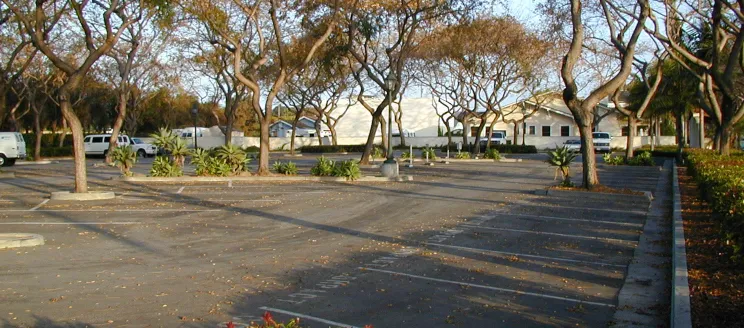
[716,283]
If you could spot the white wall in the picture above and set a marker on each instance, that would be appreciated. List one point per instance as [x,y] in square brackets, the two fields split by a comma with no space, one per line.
[419,117]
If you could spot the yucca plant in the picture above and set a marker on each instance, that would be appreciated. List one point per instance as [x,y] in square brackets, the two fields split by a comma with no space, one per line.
[429,151]
[463,155]
[323,167]
[405,155]
[179,151]
[124,158]
[347,169]
[492,154]
[232,155]
[376,152]
[164,138]
[561,158]
[163,167]
[217,167]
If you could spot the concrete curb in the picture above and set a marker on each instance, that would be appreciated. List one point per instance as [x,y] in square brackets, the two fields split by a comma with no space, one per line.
[647,195]
[13,240]
[263,179]
[7,175]
[36,162]
[681,311]
[93,195]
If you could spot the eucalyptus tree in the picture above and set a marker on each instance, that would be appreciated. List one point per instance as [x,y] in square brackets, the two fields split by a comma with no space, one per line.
[714,57]
[261,35]
[619,24]
[96,24]
[16,54]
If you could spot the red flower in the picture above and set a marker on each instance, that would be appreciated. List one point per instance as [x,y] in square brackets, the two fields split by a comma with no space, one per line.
[368,326]
[268,318]
[230,325]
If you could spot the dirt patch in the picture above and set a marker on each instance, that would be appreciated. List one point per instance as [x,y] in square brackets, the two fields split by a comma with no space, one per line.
[600,188]
[716,282]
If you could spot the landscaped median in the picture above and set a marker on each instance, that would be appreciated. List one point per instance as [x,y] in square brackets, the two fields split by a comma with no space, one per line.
[273,178]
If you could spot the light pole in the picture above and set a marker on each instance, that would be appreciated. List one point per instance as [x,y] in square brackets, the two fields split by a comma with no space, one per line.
[195,114]
[389,168]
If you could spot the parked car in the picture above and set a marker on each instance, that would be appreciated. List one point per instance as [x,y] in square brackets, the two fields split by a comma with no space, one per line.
[97,144]
[12,147]
[602,141]
[573,145]
[497,138]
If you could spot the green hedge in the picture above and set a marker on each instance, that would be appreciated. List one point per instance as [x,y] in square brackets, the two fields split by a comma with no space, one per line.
[721,182]
[47,139]
[659,151]
[50,151]
[333,149]
[512,149]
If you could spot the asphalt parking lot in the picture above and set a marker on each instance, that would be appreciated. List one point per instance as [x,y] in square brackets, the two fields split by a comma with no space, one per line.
[464,245]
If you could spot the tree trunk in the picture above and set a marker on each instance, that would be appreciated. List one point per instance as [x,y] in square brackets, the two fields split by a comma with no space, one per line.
[81,177]
[400,131]
[449,134]
[478,136]
[489,134]
[589,178]
[229,124]
[632,125]
[63,135]
[317,130]
[516,133]
[524,132]
[121,113]
[264,147]
[725,140]
[37,132]
[334,138]
[294,133]
[465,132]
[384,136]
[370,139]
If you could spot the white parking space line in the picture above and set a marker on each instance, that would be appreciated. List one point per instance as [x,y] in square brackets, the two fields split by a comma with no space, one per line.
[40,205]
[506,290]
[548,258]
[637,225]
[180,190]
[69,223]
[554,207]
[552,234]
[308,317]
[115,210]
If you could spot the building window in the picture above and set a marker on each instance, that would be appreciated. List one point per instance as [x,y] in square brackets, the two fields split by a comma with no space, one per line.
[546,131]
[532,131]
[565,131]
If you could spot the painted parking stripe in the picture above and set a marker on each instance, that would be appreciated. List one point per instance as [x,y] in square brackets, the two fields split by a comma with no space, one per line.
[554,207]
[548,258]
[505,290]
[638,225]
[40,205]
[308,317]
[116,210]
[69,223]
[180,190]
[553,234]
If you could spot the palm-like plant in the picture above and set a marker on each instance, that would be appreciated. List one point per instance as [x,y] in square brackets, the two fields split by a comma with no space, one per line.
[232,155]
[124,158]
[561,158]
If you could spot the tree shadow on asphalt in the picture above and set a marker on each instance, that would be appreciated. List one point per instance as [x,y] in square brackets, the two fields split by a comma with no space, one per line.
[45,322]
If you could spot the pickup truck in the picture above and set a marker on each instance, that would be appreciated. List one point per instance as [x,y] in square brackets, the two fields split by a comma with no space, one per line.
[497,138]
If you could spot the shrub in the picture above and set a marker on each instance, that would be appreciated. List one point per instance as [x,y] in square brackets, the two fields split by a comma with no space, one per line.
[124,158]
[428,153]
[287,168]
[659,151]
[163,167]
[251,149]
[463,155]
[613,160]
[492,154]
[323,167]
[406,155]
[721,182]
[561,158]
[376,152]
[50,151]
[347,169]
[333,149]
[644,159]
[512,149]
[164,138]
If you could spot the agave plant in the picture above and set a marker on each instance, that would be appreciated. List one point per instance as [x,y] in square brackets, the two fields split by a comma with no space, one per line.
[561,158]
[232,155]
[428,151]
[492,154]
[163,167]
[323,167]
[124,158]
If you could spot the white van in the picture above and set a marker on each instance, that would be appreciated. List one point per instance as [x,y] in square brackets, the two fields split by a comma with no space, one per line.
[97,144]
[12,147]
